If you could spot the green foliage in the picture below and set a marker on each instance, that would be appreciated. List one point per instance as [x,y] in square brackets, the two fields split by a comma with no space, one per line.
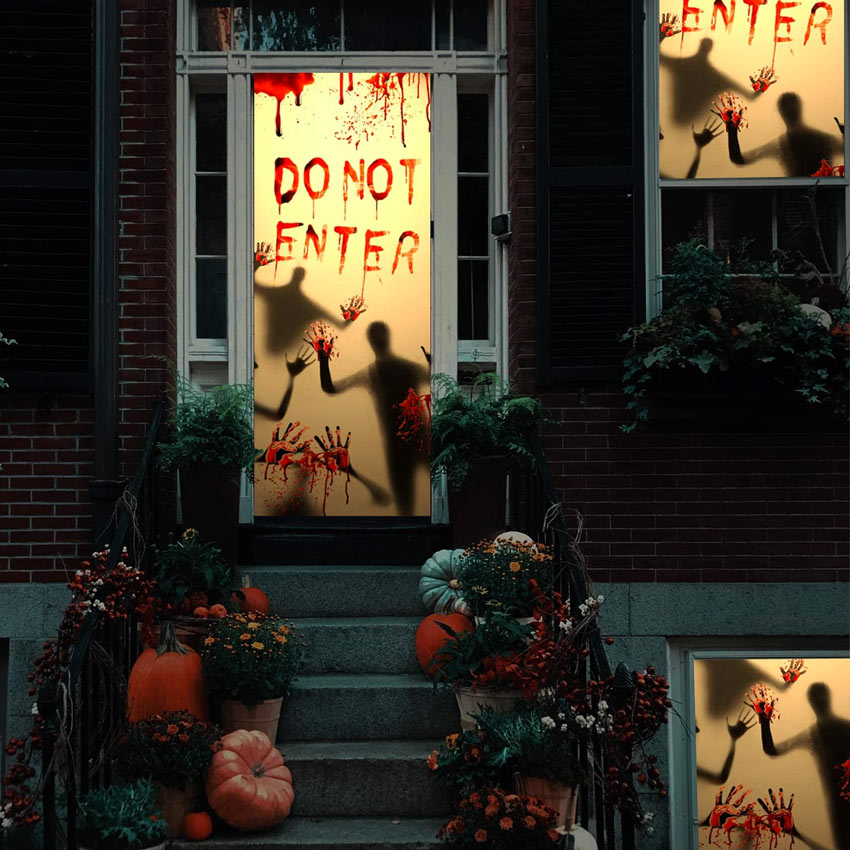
[214,428]
[483,419]
[173,748]
[189,566]
[721,318]
[249,657]
[122,816]
[534,744]
[466,760]
[468,654]
[496,575]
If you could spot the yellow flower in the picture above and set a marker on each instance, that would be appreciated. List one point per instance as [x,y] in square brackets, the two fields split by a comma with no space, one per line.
[257,645]
[283,629]
[515,567]
[280,638]
[451,741]
[228,646]
[253,626]
[209,641]
[245,636]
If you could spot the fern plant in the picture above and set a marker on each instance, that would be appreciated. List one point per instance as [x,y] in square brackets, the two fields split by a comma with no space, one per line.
[123,816]
[212,428]
[483,419]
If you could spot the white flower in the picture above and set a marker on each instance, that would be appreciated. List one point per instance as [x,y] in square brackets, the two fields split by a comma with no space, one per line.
[564,727]
[561,715]
[6,823]
[548,723]
[34,709]
[600,599]
[603,705]
[565,626]
[101,606]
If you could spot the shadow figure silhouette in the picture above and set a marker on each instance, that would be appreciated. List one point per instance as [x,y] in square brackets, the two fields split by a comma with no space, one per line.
[387,380]
[799,149]
[696,82]
[828,738]
[727,682]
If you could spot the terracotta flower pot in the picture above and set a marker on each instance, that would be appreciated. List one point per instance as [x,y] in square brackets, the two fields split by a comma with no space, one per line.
[262,717]
[176,803]
[470,700]
[562,798]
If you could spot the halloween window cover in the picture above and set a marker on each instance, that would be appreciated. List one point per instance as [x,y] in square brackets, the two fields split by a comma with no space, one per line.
[752,88]
[342,301]
[773,753]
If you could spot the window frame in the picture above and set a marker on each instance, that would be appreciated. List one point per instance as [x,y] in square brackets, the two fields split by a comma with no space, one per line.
[684,816]
[655,184]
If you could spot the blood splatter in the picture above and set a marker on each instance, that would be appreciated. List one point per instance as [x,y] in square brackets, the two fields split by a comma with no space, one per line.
[284,448]
[354,307]
[334,459]
[263,254]
[726,812]
[414,426]
[827,170]
[730,109]
[794,668]
[321,336]
[763,79]
[844,780]
[670,25]
[763,701]
[279,86]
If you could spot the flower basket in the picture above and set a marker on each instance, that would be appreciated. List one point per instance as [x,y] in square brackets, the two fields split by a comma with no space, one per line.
[176,803]
[262,717]
[470,700]
[562,798]
[190,631]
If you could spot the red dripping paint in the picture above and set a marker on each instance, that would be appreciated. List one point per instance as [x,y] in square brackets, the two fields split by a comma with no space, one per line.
[428,105]
[279,86]
[414,426]
[341,96]
[401,89]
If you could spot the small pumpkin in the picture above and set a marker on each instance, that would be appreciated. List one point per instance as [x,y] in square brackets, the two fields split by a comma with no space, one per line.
[248,785]
[201,612]
[430,638]
[167,678]
[439,585]
[197,826]
[255,599]
[218,611]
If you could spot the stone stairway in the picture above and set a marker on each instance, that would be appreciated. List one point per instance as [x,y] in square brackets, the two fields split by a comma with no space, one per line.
[362,719]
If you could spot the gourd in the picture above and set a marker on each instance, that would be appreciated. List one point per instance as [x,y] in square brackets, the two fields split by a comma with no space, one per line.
[248,785]
[255,599]
[167,678]
[430,638]
[217,611]
[197,826]
[439,585]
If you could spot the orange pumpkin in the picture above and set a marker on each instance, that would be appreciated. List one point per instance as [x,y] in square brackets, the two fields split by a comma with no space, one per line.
[197,826]
[167,678]
[248,785]
[430,638]
[255,599]
[201,612]
[218,611]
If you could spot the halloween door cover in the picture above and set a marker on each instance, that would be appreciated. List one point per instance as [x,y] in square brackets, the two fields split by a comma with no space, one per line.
[342,301]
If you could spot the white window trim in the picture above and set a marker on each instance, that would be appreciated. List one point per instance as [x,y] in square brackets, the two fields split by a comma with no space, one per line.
[654,184]
[684,815]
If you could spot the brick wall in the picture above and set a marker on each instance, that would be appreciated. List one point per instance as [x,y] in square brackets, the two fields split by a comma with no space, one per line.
[671,505]
[47,451]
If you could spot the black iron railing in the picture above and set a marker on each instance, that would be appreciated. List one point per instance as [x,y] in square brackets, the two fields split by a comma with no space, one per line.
[83,714]
[536,509]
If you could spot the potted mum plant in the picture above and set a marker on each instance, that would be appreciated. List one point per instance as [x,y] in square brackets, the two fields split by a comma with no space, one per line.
[173,750]
[250,662]
[122,817]
[476,433]
[212,443]
[482,665]
[498,820]
[466,760]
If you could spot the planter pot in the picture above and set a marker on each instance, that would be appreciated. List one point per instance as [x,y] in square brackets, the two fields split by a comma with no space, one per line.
[477,509]
[262,717]
[562,798]
[160,846]
[210,501]
[470,700]
[190,631]
[176,803]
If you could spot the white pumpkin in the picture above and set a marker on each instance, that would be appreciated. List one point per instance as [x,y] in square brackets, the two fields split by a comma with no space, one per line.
[439,585]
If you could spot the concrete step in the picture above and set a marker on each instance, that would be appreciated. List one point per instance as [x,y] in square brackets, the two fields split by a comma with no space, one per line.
[331,834]
[364,779]
[360,644]
[350,707]
[340,591]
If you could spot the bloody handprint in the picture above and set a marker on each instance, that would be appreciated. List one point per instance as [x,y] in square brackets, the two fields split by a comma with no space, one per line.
[263,254]
[321,336]
[354,307]
[414,426]
[334,458]
[670,25]
[726,812]
[284,448]
[730,109]
[763,79]
[763,702]
[795,668]
[843,770]
[778,821]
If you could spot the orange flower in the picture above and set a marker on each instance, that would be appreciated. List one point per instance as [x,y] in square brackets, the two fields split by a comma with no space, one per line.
[172,729]
[257,645]
[253,626]
[481,836]
[153,817]
[554,835]
[529,822]
[432,761]
[492,810]
[283,629]
[245,636]
[183,737]
[208,641]
[280,638]
[228,646]
[451,741]
[514,566]
[506,823]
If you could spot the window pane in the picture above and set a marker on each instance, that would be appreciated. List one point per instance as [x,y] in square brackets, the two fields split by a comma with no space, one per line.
[214,25]
[241,35]
[211,214]
[296,25]
[473,120]
[470,24]
[211,298]
[472,299]
[211,131]
[742,223]
[809,221]
[442,15]
[388,25]
[473,225]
